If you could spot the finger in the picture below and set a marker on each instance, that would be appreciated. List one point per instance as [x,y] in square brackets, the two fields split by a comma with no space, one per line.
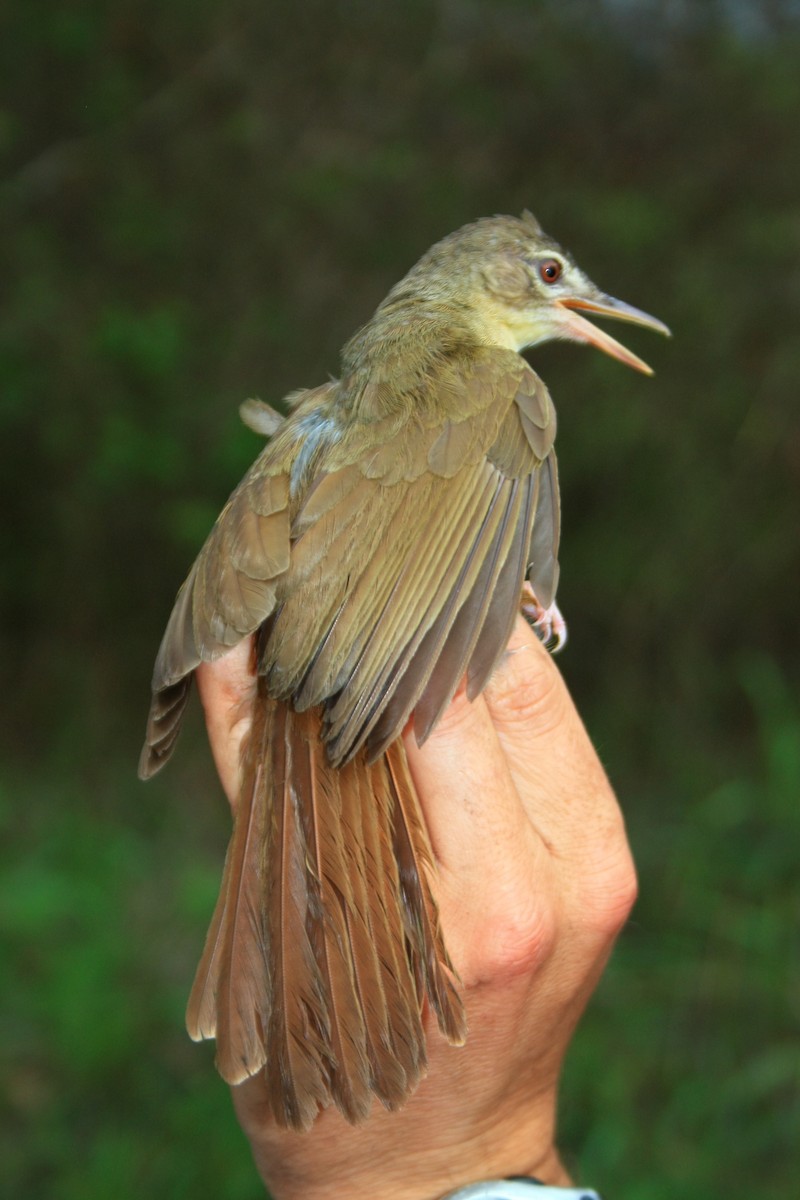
[541,732]
[493,869]
[227,688]
[557,773]
[459,769]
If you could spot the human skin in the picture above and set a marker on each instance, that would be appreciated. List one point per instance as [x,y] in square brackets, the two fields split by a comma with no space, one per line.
[534,881]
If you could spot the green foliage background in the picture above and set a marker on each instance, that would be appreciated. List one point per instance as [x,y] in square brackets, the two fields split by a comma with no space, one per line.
[199,202]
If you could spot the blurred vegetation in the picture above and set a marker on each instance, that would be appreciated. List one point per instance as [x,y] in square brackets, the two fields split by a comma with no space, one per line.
[200,202]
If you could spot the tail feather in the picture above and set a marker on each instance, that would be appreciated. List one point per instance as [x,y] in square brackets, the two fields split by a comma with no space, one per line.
[297,1026]
[388,927]
[370,932]
[326,936]
[415,862]
[230,990]
[327,871]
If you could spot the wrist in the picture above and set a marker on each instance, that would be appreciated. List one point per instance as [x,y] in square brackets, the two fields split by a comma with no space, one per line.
[493,1125]
[363,1170]
[549,1169]
[443,1139]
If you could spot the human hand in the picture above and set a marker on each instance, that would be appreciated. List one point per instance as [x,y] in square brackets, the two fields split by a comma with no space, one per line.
[534,881]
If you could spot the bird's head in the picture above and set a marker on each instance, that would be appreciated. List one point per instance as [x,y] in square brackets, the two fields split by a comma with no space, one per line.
[524,289]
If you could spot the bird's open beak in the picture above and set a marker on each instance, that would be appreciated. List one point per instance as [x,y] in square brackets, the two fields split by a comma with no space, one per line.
[577,329]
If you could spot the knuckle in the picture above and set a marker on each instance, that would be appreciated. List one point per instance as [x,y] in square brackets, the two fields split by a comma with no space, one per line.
[526,688]
[513,942]
[606,896]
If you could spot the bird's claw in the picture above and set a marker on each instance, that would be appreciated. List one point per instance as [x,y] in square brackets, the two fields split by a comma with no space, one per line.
[548,623]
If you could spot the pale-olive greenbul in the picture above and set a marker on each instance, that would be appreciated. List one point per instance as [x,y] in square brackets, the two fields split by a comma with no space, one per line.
[378,549]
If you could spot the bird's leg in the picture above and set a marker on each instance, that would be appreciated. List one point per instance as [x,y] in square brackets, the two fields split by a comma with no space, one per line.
[547,622]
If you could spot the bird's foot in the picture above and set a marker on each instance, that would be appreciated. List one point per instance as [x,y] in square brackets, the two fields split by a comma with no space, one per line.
[548,623]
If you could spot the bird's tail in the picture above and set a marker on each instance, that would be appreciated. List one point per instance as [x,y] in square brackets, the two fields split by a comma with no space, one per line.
[325,940]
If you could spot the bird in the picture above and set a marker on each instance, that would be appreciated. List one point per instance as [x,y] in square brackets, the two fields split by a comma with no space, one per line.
[378,551]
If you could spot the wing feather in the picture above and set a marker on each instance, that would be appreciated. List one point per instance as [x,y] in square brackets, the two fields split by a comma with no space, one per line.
[465,631]
[504,604]
[424,586]
[432,676]
[543,569]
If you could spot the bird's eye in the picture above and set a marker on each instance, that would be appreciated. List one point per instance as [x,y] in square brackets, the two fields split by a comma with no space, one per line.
[550,270]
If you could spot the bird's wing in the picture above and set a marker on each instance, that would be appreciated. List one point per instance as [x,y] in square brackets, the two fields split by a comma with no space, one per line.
[397,573]
[228,593]
[231,589]
[409,552]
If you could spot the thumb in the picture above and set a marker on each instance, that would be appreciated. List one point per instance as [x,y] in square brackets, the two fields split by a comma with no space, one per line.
[227,691]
